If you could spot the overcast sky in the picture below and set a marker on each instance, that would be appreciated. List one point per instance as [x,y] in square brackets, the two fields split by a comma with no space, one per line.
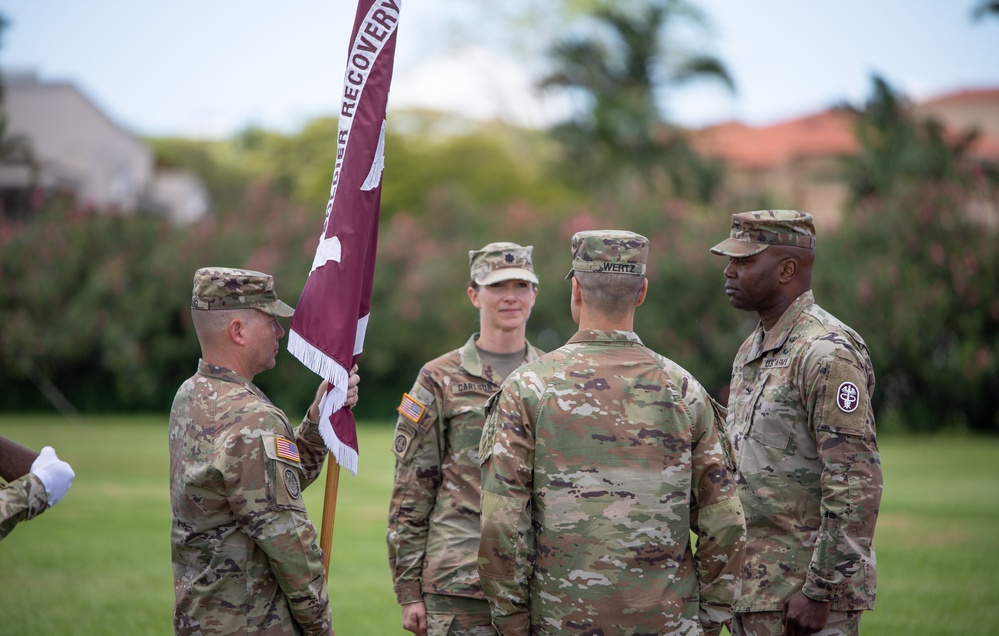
[214,67]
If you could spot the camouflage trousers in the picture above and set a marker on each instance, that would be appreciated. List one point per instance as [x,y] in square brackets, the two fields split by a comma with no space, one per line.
[457,616]
[769,624]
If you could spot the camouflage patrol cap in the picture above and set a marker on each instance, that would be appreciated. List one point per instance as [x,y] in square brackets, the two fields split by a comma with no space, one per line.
[609,252]
[753,232]
[227,288]
[497,262]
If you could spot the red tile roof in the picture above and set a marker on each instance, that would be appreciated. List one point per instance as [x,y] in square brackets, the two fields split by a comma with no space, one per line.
[965,96]
[825,134]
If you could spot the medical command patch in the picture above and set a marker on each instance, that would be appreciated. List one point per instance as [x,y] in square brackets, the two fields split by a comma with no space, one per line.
[848,397]
[286,449]
[844,405]
[411,409]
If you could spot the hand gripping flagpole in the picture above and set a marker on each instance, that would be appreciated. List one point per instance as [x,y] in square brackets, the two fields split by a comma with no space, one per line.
[327,331]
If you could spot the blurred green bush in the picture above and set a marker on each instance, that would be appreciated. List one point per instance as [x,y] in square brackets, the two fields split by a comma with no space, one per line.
[94,307]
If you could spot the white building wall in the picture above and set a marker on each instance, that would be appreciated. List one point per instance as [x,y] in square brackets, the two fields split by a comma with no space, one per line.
[77,145]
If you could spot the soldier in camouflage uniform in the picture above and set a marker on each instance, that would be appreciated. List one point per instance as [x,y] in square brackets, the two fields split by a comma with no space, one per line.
[597,463]
[433,529]
[245,556]
[35,483]
[801,422]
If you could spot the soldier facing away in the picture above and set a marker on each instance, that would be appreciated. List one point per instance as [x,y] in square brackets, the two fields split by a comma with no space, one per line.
[245,555]
[801,422]
[597,462]
[433,529]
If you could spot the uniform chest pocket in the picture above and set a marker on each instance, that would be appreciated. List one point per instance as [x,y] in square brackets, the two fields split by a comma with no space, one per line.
[775,411]
[468,410]
[465,427]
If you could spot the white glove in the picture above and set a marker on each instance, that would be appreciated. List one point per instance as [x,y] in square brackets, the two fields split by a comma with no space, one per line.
[56,475]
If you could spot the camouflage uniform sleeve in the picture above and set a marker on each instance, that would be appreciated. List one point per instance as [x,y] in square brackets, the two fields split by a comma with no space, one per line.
[716,515]
[20,500]
[312,449]
[263,487]
[506,544]
[841,419]
[419,452]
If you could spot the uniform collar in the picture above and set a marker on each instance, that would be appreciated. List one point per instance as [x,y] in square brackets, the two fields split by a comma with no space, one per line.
[777,336]
[228,375]
[595,335]
[471,361]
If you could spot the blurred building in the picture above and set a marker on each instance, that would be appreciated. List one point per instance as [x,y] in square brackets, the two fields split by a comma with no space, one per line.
[797,163]
[57,140]
[966,109]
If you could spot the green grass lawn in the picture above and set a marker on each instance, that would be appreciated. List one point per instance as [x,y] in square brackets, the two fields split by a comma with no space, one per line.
[99,563]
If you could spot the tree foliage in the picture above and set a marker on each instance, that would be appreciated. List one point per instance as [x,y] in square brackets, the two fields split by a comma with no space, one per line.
[985,8]
[95,308]
[898,151]
[80,308]
[622,68]
[917,275]
[916,258]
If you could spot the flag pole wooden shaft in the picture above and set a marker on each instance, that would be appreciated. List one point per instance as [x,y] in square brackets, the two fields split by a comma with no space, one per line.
[329,511]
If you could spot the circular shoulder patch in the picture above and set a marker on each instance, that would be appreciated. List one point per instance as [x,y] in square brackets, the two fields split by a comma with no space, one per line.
[848,397]
[400,443]
[291,482]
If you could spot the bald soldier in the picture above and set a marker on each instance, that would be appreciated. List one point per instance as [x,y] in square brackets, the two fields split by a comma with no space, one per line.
[800,419]
[433,529]
[598,461]
[245,556]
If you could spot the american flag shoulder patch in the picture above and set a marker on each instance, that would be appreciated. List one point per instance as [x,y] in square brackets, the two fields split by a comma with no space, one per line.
[286,449]
[411,409]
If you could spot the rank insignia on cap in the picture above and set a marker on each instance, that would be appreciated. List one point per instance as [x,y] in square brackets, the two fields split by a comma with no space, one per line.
[411,409]
[848,397]
[286,449]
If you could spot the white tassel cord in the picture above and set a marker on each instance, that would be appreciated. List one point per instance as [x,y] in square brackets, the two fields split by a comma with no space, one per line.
[333,401]
[320,364]
[345,455]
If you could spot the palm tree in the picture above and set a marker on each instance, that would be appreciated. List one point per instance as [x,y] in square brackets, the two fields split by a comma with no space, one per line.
[623,71]
[985,8]
[898,149]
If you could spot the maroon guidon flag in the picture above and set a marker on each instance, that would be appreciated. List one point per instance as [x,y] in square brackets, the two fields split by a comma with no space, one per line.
[327,331]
